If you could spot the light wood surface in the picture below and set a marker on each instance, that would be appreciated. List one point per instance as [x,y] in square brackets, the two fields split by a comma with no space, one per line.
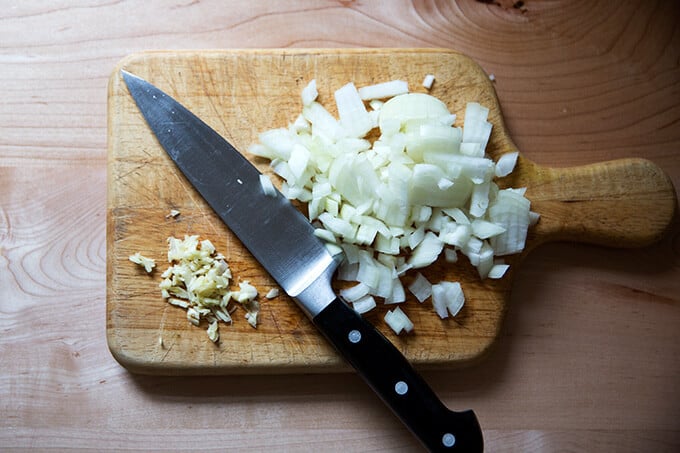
[233,90]
[588,358]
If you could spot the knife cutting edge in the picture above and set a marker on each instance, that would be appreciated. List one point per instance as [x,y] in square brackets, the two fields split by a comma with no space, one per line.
[283,241]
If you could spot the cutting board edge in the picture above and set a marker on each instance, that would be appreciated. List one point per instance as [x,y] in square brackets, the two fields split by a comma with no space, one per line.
[139,365]
[131,57]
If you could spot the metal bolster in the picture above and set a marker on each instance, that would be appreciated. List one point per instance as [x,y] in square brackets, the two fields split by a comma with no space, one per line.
[318,294]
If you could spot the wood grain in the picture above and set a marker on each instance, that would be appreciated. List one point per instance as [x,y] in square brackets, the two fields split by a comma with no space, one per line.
[243,93]
[588,355]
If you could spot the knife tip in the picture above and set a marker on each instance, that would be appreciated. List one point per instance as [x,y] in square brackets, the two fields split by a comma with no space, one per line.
[128,76]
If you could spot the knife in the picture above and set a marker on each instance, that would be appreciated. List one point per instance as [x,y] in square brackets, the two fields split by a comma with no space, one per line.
[283,241]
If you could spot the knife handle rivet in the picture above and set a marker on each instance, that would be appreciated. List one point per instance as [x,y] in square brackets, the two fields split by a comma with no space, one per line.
[401,388]
[354,336]
[448,440]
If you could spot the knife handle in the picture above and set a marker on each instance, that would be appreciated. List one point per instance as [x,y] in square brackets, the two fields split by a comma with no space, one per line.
[393,378]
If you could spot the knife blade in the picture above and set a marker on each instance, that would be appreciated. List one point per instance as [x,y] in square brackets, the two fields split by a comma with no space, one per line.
[283,241]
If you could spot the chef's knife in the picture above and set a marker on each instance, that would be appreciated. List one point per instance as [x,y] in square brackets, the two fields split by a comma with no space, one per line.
[282,240]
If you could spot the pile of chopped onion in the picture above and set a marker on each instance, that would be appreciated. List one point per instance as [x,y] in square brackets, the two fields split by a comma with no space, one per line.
[198,280]
[423,188]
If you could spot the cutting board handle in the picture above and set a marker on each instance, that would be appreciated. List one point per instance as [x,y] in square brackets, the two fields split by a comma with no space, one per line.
[621,203]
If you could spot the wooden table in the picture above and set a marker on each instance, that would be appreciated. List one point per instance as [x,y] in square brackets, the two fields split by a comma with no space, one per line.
[589,359]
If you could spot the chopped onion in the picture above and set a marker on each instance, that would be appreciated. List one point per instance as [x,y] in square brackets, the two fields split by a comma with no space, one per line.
[411,110]
[398,321]
[297,163]
[479,199]
[427,251]
[511,211]
[484,229]
[355,293]
[506,164]
[323,123]
[396,202]
[450,255]
[498,270]
[428,81]
[416,237]
[353,115]
[267,186]
[421,288]
[447,297]
[309,93]
[383,90]
[365,304]
[476,129]
[277,144]
[397,293]
[333,249]
[325,235]
[533,218]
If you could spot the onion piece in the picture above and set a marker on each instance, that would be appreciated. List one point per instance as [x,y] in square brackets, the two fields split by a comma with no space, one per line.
[457,235]
[397,293]
[411,109]
[484,229]
[506,164]
[398,321]
[383,90]
[416,237]
[333,249]
[511,211]
[450,255]
[325,235]
[428,81]
[277,144]
[447,297]
[424,187]
[299,158]
[338,226]
[476,129]
[420,287]
[355,293]
[365,304]
[353,115]
[498,271]
[323,123]
[533,218]
[309,93]
[427,251]
[479,199]
[267,186]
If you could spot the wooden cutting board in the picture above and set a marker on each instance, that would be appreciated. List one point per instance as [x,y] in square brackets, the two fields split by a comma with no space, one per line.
[625,203]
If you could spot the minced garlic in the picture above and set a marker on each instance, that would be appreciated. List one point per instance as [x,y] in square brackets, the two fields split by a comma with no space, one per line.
[198,280]
[147,263]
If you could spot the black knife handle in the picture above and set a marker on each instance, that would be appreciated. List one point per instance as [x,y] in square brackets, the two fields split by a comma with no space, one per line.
[392,377]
